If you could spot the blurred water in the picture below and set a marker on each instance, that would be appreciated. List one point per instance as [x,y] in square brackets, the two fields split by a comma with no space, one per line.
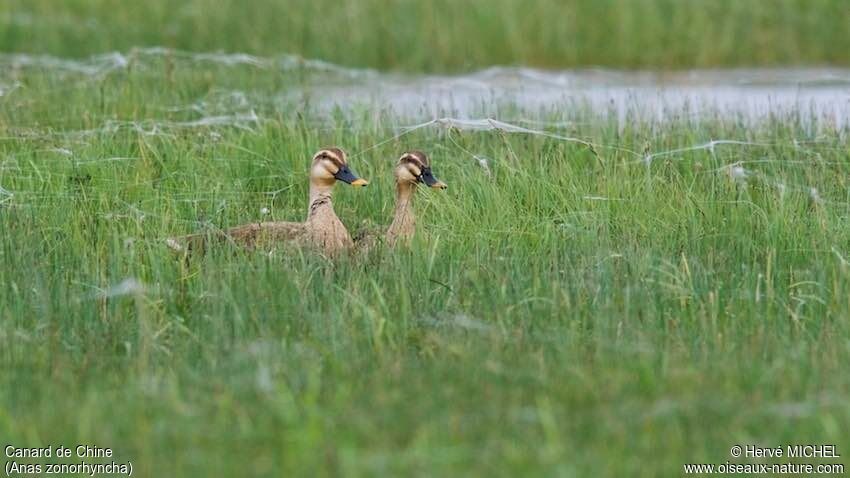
[818,97]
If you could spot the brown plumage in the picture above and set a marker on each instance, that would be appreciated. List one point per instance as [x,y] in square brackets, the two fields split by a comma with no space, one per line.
[413,168]
[322,229]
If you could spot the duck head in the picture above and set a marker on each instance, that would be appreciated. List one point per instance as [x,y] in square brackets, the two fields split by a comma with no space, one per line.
[413,168]
[331,165]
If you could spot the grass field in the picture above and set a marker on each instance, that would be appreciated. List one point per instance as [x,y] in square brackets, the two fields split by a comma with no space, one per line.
[446,35]
[568,311]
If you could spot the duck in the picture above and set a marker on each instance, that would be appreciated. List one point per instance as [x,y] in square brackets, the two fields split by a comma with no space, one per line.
[322,229]
[413,168]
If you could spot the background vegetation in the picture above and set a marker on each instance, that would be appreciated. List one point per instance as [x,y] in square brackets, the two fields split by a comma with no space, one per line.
[447,35]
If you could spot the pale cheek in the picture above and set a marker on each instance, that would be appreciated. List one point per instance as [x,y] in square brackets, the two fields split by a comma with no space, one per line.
[404,175]
[321,173]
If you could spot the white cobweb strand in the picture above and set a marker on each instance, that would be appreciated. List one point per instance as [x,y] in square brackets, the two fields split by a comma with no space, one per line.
[104,63]
[128,286]
[5,195]
[152,127]
[489,124]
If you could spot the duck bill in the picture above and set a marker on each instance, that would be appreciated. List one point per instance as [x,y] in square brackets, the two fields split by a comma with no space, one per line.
[345,175]
[428,178]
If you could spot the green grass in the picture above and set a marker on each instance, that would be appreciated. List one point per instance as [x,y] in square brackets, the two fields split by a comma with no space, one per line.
[530,330]
[446,35]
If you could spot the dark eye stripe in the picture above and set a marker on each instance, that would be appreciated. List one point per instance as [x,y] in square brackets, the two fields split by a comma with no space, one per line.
[333,155]
[339,155]
[336,161]
[412,159]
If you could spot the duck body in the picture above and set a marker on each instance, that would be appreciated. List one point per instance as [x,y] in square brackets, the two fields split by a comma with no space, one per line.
[322,230]
[261,234]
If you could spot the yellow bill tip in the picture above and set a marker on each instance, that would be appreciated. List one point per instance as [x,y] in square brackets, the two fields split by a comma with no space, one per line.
[359,182]
[440,185]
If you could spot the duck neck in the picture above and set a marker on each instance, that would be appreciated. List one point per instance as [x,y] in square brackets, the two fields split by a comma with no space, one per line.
[320,205]
[323,228]
[404,221]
